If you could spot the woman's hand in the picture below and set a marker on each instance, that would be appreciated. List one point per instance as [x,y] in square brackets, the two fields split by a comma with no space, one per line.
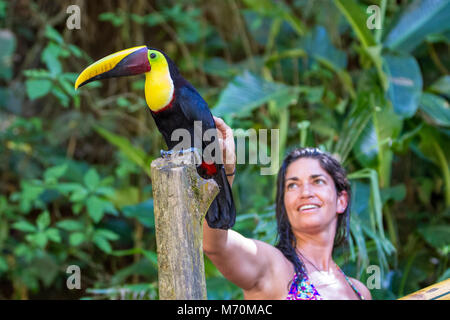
[226,142]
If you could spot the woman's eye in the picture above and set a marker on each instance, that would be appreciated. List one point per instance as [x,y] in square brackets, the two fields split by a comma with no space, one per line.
[291,186]
[319,181]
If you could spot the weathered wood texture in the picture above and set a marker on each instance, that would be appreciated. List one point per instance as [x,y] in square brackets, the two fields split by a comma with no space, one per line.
[437,291]
[181,200]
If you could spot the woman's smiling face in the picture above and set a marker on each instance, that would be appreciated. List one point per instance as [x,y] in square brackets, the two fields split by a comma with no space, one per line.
[310,197]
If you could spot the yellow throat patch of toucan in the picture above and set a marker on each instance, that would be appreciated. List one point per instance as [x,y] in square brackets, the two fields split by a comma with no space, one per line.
[159,87]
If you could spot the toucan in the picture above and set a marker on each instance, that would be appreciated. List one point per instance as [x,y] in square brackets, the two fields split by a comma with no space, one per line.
[174,104]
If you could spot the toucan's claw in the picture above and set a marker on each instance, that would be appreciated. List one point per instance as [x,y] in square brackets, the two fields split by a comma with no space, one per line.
[166,154]
[188,150]
[180,152]
[174,154]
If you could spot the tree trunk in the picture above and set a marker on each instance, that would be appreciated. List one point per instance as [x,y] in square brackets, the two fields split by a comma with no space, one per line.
[181,200]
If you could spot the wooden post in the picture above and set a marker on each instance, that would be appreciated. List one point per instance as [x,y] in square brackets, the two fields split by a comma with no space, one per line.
[181,200]
[437,291]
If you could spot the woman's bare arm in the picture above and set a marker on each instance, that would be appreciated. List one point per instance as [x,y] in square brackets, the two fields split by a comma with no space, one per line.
[241,260]
[245,262]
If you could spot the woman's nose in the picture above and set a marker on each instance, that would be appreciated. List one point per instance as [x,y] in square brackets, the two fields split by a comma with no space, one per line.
[305,190]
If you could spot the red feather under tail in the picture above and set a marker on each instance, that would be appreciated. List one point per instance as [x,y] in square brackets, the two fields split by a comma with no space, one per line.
[210,168]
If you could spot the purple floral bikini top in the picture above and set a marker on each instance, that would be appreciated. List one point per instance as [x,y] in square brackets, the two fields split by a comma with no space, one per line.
[305,290]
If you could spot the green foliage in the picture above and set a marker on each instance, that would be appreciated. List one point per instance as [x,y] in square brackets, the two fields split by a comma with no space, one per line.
[418,21]
[405,84]
[7,45]
[436,109]
[53,80]
[134,154]
[355,14]
[247,92]
[75,166]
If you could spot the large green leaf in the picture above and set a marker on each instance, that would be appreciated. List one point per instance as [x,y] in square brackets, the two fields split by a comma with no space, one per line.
[43,221]
[381,130]
[91,179]
[70,225]
[53,35]
[52,174]
[405,83]
[366,146]
[357,17]
[396,193]
[361,201]
[318,45]
[102,243]
[355,123]
[436,109]
[37,88]
[376,214]
[421,18]
[50,56]
[24,226]
[428,135]
[76,238]
[373,148]
[7,47]
[97,207]
[248,91]
[437,236]
[442,86]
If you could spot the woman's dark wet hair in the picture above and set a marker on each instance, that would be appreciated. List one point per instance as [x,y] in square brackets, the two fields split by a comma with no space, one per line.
[286,240]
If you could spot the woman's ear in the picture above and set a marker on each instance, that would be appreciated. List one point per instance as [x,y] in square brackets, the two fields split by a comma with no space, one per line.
[342,202]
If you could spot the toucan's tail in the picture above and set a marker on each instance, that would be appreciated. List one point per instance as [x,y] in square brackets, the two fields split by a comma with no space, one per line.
[222,212]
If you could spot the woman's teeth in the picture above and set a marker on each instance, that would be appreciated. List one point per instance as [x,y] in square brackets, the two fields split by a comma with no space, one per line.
[308,207]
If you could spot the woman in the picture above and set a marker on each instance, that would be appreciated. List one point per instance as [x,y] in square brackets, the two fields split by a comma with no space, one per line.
[313,197]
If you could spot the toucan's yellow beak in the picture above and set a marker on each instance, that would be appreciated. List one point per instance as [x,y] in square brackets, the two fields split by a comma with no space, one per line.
[127,62]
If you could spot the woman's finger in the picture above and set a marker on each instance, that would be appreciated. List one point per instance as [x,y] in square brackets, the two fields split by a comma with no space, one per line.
[223,127]
[220,124]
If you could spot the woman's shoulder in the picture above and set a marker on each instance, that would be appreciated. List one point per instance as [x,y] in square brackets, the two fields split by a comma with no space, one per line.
[361,288]
[275,281]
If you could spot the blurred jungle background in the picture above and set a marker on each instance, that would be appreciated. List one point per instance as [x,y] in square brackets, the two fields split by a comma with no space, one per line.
[369,84]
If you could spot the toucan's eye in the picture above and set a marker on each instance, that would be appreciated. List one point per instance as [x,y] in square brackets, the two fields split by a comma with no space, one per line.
[153,55]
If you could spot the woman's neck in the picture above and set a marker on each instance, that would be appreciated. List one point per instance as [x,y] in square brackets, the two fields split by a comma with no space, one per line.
[317,250]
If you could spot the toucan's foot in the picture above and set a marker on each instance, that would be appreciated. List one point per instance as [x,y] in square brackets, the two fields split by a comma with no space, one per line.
[188,150]
[166,154]
[182,154]
[170,153]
